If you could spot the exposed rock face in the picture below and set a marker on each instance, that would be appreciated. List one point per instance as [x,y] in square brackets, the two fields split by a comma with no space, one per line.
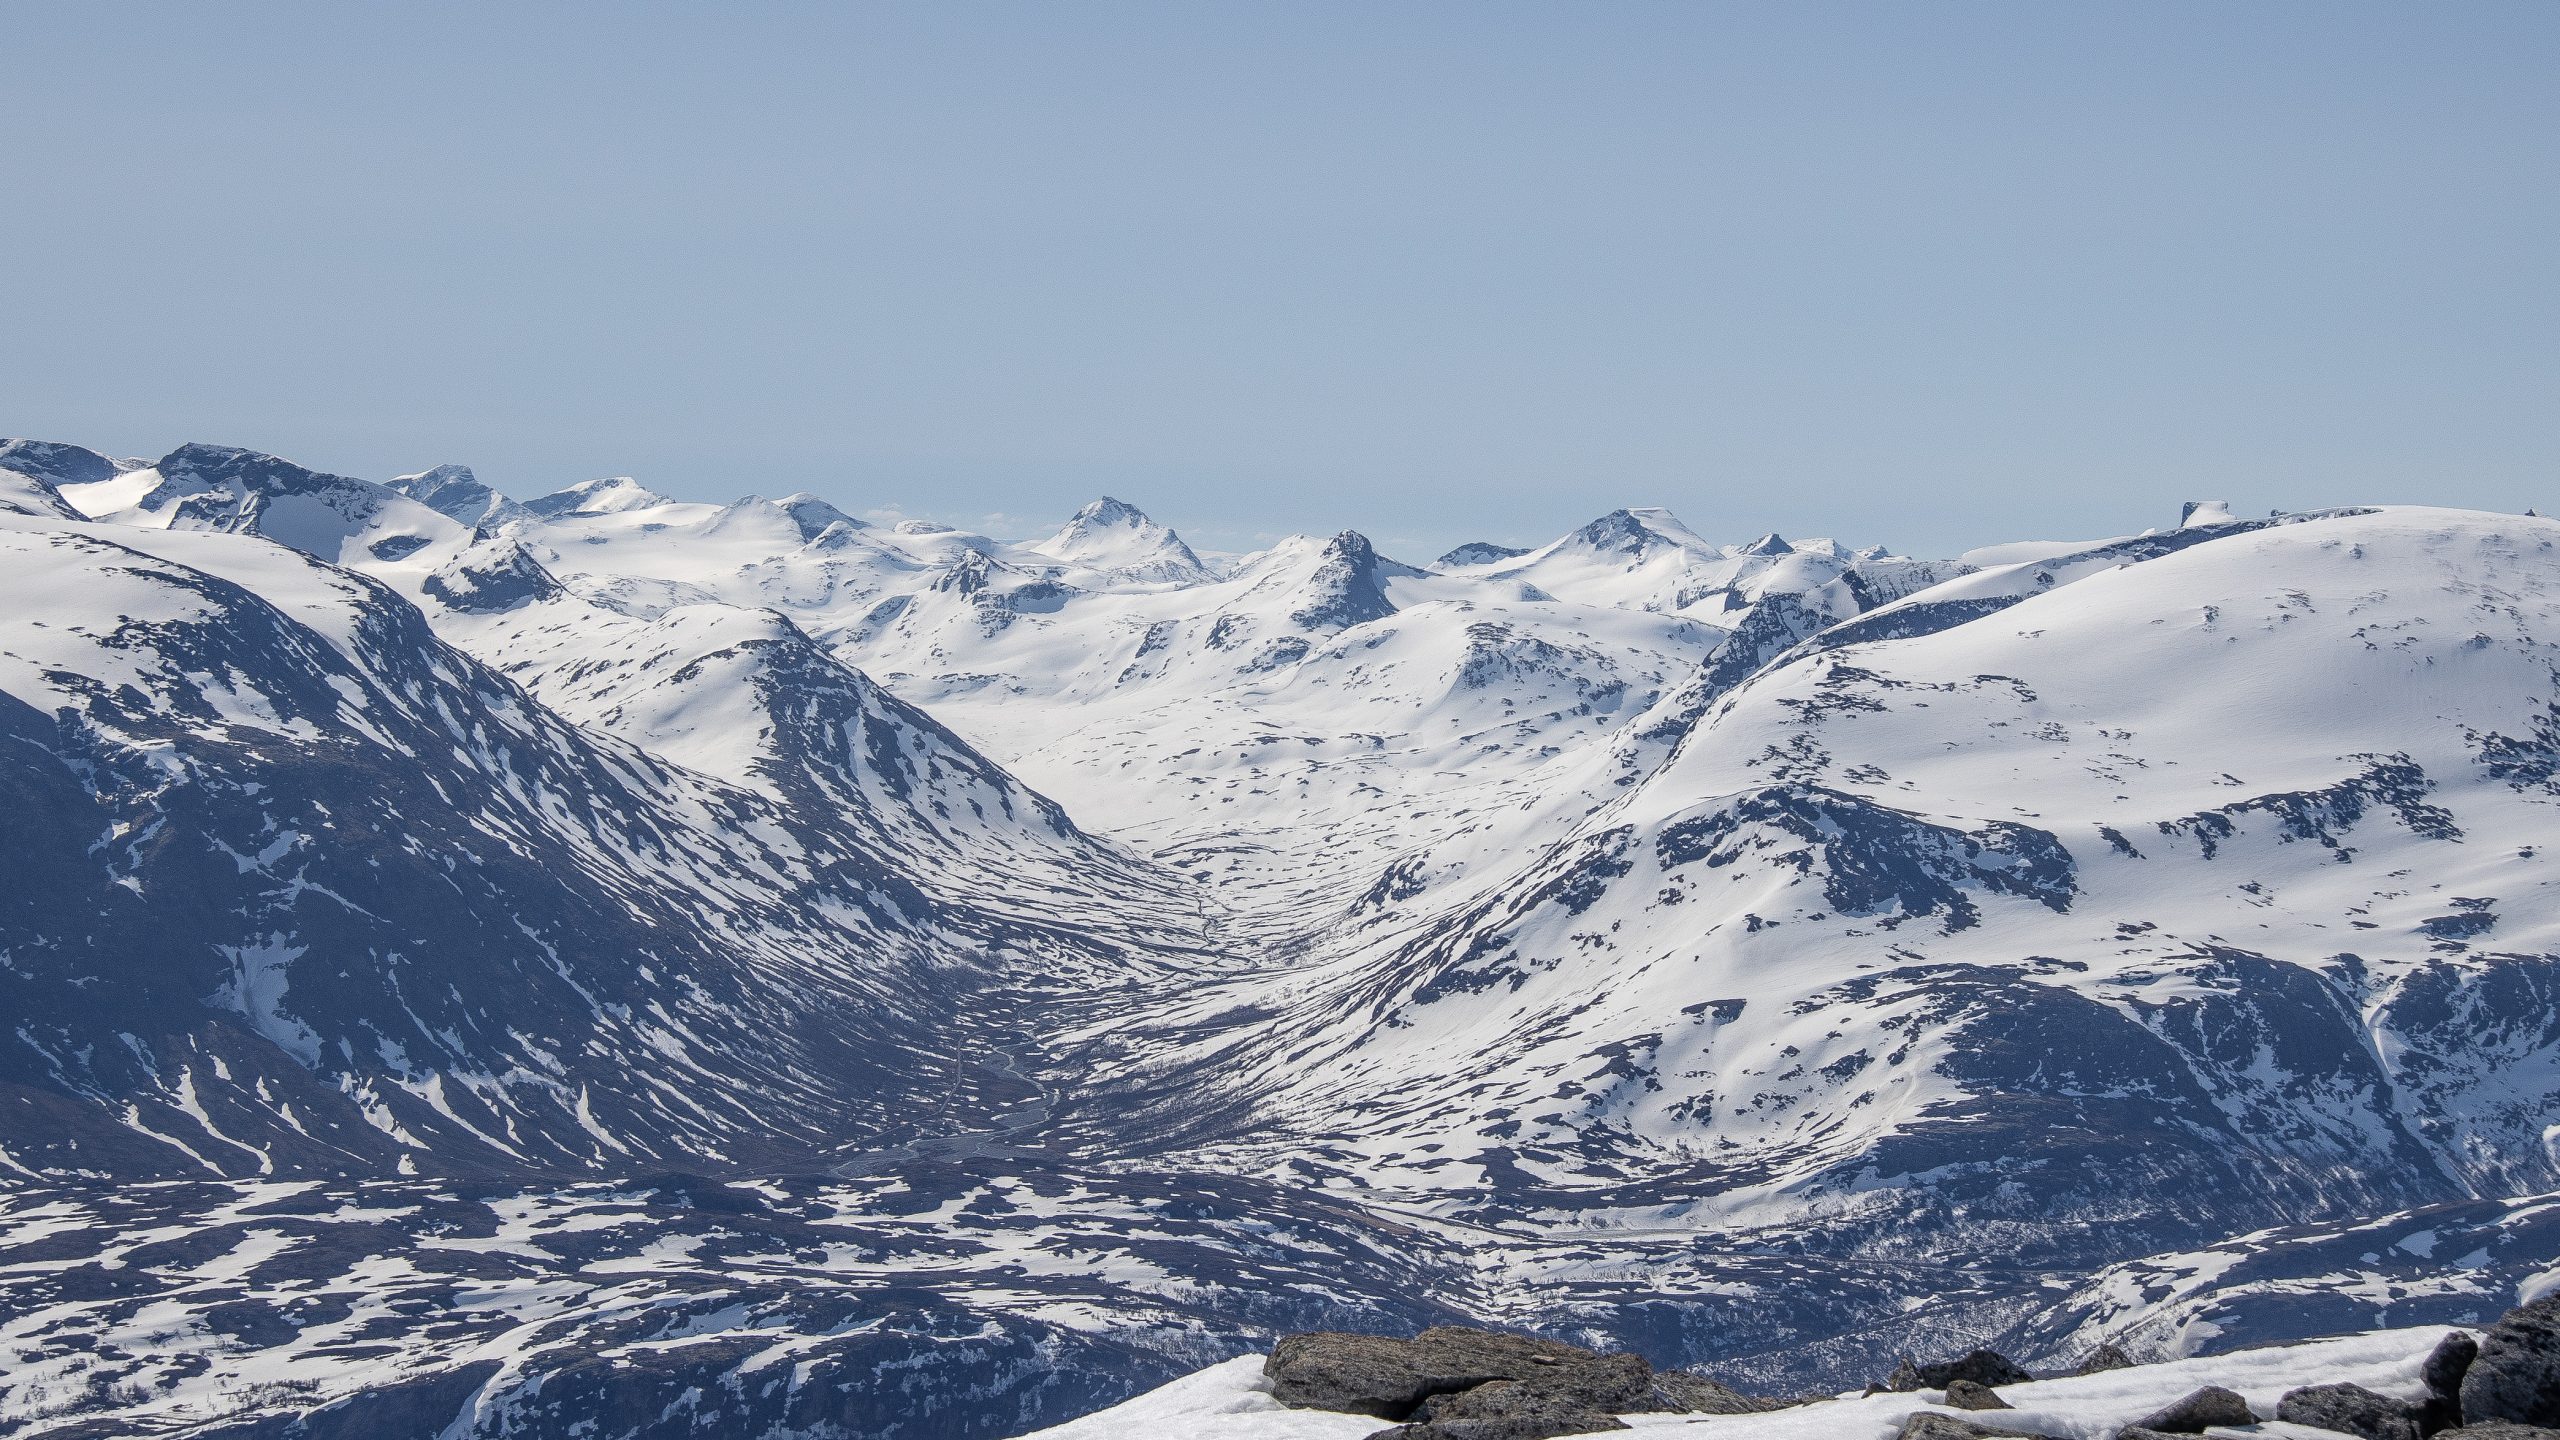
[2106,1357]
[2199,1412]
[2443,1373]
[1932,1425]
[2516,1376]
[1982,1367]
[2352,1409]
[1699,1395]
[1512,1428]
[2499,1430]
[1974,1395]
[1455,1383]
[1389,1378]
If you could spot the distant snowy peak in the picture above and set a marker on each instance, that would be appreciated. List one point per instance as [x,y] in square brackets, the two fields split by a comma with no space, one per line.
[800,513]
[500,575]
[58,465]
[1347,586]
[223,488]
[1634,534]
[1121,543]
[455,493]
[815,518]
[1477,552]
[611,495]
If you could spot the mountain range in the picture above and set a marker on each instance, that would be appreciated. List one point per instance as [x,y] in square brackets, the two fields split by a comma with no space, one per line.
[597,963]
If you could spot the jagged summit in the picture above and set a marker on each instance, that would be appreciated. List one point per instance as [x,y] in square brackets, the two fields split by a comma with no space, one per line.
[1108,511]
[1122,543]
[1770,544]
[456,493]
[1634,533]
[1347,586]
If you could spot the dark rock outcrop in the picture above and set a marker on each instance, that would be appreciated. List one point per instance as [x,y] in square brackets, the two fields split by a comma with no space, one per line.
[1503,1429]
[2516,1375]
[1982,1367]
[2443,1372]
[1390,1378]
[2352,1409]
[1699,1395]
[1974,1395]
[2106,1357]
[2198,1412]
[1934,1425]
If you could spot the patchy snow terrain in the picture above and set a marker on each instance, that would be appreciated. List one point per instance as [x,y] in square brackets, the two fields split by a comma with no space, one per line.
[1083,961]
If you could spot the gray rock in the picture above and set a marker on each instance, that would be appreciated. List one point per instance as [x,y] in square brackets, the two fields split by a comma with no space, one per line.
[1973,1395]
[2499,1430]
[1515,1428]
[1585,1395]
[2105,1357]
[1698,1395]
[2516,1375]
[1932,1425]
[2443,1372]
[2353,1409]
[2209,1406]
[1982,1367]
[1390,1378]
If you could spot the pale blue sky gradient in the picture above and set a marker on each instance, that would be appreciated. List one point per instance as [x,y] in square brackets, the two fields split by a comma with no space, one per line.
[1933,274]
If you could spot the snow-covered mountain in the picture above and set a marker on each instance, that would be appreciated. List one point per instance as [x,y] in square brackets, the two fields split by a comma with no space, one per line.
[1759,951]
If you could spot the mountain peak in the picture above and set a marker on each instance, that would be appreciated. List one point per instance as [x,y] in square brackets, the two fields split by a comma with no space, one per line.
[609,495]
[1121,540]
[58,464]
[486,581]
[1478,552]
[1635,531]
[1772,543]
[457,494]
[1347,586]
[1107,511]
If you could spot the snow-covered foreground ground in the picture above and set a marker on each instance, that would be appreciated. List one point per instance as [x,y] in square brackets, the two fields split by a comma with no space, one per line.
[1233,1401]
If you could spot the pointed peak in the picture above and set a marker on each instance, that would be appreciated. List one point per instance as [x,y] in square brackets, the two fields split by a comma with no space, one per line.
[1120,540]
[1772,543]
[1634,531]
[1351,545]
[455,493]
[1107,511]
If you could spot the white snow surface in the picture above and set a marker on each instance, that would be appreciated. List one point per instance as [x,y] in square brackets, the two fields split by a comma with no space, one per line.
[1234,1399]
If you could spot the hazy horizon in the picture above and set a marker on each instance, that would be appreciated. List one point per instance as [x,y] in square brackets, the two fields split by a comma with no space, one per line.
[1916,276]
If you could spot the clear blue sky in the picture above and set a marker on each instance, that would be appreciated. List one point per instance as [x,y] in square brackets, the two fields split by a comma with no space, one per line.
[1926,273]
